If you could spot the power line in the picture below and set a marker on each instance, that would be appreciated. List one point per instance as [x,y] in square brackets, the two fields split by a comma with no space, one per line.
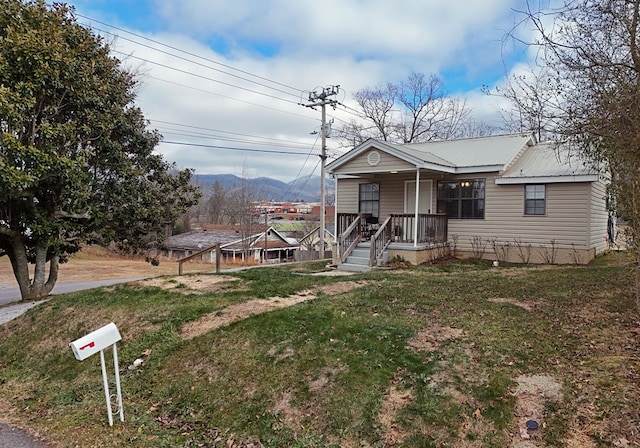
[297,90]
[291,184]
[189,53]
[224,132]
[232,148]
[228,139]
[204,77]
[230,97]
[200,64]
[261,84]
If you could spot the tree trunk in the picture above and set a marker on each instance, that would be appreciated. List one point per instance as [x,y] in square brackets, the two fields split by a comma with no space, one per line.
[39,288]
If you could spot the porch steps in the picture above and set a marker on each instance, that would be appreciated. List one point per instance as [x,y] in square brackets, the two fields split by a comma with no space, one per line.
[358,260]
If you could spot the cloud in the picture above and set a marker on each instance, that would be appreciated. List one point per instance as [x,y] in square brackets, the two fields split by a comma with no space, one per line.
[294,47]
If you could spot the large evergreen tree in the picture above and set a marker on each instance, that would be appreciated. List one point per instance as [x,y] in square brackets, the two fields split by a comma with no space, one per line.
[76,158]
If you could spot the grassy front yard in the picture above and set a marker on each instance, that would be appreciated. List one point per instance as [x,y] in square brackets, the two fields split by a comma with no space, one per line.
[459,354]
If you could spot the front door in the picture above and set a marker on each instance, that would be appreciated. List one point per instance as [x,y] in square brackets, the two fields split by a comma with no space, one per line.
[425,196]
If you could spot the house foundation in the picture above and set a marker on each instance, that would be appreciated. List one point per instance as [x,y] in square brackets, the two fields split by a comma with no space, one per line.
[420,254]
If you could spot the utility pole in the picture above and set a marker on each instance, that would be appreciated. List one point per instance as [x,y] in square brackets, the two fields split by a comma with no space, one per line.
[322,98]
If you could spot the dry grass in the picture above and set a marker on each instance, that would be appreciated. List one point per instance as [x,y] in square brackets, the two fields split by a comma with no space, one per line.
[453,355]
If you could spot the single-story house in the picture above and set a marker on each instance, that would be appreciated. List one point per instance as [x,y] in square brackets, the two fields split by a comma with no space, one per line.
[309,244]
[188,243]
[201,244]
[504,198]
[269,246]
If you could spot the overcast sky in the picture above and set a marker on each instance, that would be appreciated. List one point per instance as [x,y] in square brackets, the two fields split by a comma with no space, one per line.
[217,75]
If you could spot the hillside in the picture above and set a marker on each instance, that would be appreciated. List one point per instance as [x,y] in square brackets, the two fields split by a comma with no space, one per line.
[303,189]
[282,356]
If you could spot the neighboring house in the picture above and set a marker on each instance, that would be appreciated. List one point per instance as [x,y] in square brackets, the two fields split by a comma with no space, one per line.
[505,198]
[200,244]
[309,245]
[269,246]
[194,241]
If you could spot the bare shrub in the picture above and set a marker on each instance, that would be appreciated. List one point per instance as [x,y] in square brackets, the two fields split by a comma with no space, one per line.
[576,256]
[501,249]
[454,244]
[524,250]
[550,252]
[478,247]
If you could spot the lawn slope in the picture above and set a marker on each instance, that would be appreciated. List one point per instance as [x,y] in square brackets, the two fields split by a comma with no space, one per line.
[459,354]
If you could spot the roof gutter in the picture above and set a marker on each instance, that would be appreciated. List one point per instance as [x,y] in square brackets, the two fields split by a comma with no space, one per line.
[546,179]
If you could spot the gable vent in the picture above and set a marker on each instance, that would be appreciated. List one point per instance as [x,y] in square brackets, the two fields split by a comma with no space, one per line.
[373,158]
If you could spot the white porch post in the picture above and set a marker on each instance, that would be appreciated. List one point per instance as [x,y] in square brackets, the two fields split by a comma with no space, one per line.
[336,247]
[417,205]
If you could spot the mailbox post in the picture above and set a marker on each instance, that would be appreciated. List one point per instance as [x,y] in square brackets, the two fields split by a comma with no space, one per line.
[97,341]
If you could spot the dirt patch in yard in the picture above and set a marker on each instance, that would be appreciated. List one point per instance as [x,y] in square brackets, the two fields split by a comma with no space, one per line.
[512,301]
[396,399]
[243,310]
[192,284]
[429,338]
[532,394]
[426,340]
[95,263]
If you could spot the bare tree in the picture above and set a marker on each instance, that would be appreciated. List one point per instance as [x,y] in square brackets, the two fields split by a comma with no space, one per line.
[593,50]
[533,98]
[415,110]
[475,128]
[241,210]
[377,105]
[216,203]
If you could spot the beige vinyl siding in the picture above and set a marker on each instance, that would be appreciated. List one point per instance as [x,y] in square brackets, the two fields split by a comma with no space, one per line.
[599,216]
[391,193]
[347,194]
[387,163]
[566,219]
[569,209]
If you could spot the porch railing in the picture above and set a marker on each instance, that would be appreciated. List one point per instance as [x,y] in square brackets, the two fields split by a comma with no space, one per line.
[349,238]
[431,228]
[379,241]
[397,228]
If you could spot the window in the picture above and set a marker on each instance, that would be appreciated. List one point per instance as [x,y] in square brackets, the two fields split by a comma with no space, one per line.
[462,199]
[369,199]
[534,200]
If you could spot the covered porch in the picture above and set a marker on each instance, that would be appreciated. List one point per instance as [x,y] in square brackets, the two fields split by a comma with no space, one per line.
[387,203]
[416,238]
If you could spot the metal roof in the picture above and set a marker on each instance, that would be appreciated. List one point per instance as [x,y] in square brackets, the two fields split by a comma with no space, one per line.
[546,162]
[490,153]
[471,152]
[200,238]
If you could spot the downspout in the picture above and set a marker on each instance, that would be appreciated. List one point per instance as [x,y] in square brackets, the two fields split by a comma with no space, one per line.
[416,211]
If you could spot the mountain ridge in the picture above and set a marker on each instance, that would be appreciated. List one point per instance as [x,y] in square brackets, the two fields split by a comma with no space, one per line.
[304,189]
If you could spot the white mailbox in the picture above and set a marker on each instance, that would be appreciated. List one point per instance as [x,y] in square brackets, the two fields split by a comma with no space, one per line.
[95,341]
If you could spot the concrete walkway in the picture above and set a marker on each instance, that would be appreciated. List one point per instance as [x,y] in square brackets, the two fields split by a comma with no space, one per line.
[17,438]
[10,312]
[12,294]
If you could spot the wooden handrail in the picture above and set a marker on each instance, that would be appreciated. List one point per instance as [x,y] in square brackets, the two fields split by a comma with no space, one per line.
[350,236]
[379,241]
